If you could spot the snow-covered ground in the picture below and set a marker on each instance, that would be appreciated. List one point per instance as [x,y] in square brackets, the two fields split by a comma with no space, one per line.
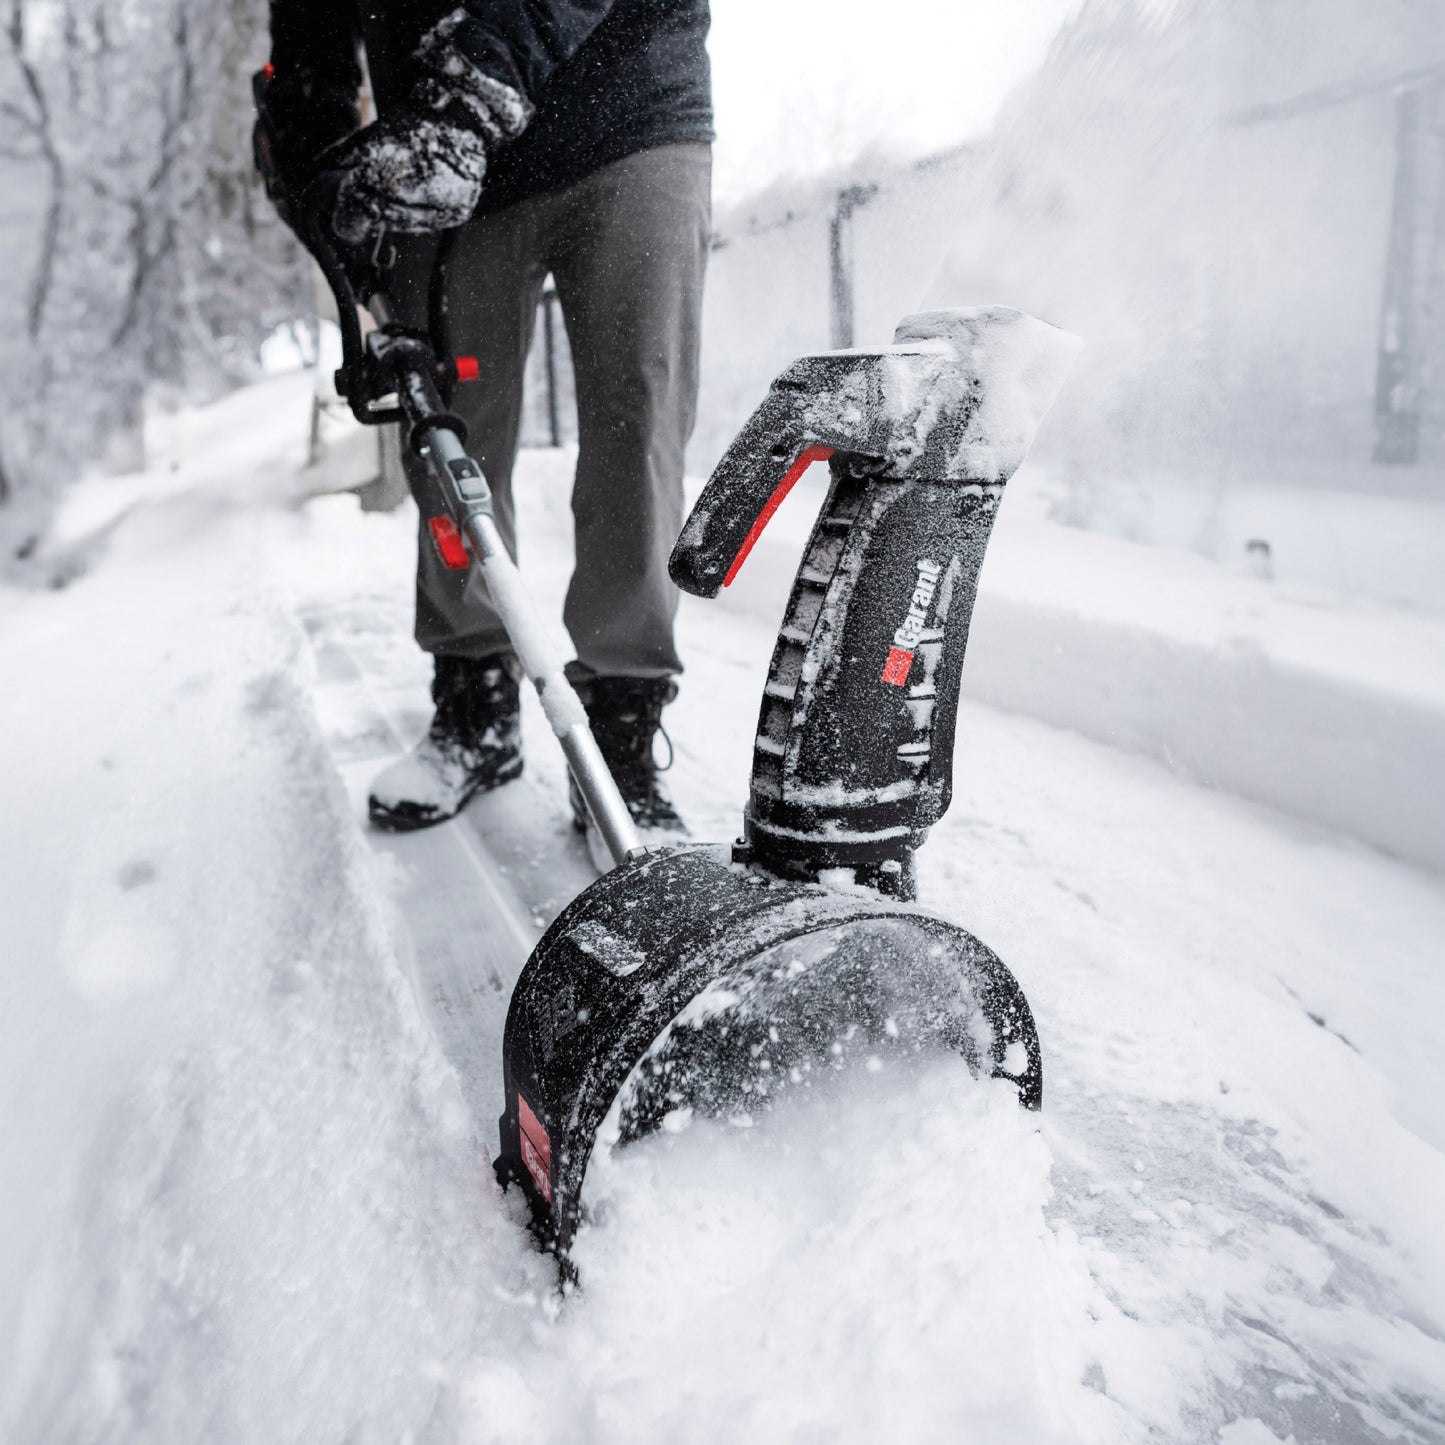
[249,1055]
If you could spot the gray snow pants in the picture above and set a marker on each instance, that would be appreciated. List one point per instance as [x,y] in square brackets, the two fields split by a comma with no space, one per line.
[627,247]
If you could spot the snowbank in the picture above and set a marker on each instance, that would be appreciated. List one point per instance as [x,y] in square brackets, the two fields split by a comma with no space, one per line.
[242,1199]
[1333,713]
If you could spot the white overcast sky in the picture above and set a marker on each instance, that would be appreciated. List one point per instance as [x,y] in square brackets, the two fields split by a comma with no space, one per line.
[802,85]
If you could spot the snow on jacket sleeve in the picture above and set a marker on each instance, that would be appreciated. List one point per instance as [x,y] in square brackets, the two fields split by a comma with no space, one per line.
[522,42]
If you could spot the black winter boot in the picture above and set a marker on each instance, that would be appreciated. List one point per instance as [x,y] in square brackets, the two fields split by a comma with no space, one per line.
[474,744]
[626,716]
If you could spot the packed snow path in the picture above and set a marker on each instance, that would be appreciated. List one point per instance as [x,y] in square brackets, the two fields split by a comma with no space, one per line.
[250,1059]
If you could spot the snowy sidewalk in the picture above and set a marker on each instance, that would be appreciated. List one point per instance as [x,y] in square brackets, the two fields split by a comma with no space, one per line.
[253,1198]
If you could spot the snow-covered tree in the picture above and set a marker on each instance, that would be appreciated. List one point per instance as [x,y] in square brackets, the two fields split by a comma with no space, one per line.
[145,253]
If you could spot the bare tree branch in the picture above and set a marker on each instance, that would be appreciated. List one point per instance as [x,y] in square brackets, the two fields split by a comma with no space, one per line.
[19,116]
[50,227]
[136,111]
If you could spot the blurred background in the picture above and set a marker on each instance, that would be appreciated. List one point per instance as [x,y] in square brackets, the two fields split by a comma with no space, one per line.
[1241,214]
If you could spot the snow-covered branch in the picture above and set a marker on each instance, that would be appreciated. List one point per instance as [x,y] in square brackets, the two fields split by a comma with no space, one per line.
[124,140]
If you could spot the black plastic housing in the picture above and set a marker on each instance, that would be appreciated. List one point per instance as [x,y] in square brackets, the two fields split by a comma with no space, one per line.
[853,759]
[615,1008]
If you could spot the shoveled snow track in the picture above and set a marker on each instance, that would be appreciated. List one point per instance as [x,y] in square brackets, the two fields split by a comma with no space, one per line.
[477,893]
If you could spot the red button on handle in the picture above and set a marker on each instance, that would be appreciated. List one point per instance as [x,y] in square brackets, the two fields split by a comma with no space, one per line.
[450,547]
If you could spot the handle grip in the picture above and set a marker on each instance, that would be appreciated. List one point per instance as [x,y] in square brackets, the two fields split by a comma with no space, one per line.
[790,430]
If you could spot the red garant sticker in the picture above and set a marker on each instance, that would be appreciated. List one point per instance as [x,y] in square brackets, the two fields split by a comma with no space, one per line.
[895,669]
[536,1148]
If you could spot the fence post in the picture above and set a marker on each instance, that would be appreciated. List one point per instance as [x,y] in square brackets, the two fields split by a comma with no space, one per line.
[1413,276]
[840,261]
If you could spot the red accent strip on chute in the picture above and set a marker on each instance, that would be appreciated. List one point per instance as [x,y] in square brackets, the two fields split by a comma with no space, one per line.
[465,367]
[450,547]
[813,454]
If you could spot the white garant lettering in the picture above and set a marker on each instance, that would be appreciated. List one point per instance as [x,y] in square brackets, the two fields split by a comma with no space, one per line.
[916,621]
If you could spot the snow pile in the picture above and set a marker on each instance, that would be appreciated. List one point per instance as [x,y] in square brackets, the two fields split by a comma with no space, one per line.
[1333,712]
[243,1200]
[873,1263]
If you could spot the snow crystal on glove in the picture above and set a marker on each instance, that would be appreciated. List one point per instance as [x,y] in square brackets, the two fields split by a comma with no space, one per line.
[412,174]
[497,110]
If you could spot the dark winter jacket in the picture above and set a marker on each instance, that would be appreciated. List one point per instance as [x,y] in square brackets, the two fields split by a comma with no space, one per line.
[608,77]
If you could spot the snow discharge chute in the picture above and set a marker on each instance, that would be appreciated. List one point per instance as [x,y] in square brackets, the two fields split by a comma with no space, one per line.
[703,980]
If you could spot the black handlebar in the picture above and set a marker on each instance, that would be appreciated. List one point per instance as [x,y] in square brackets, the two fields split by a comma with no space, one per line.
[393,361]
[316,208]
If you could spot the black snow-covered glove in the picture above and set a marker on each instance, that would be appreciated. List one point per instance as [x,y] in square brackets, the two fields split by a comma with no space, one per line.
[409,172]
[420,169]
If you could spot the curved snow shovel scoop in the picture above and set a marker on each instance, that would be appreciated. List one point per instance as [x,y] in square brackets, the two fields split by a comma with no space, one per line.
[702,980]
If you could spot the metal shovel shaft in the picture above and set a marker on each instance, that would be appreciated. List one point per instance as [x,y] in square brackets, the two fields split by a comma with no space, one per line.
[470,498]
[467,499]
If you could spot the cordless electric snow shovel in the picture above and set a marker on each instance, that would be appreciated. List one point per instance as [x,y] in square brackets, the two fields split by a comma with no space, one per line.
[699,979]
[703,980]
